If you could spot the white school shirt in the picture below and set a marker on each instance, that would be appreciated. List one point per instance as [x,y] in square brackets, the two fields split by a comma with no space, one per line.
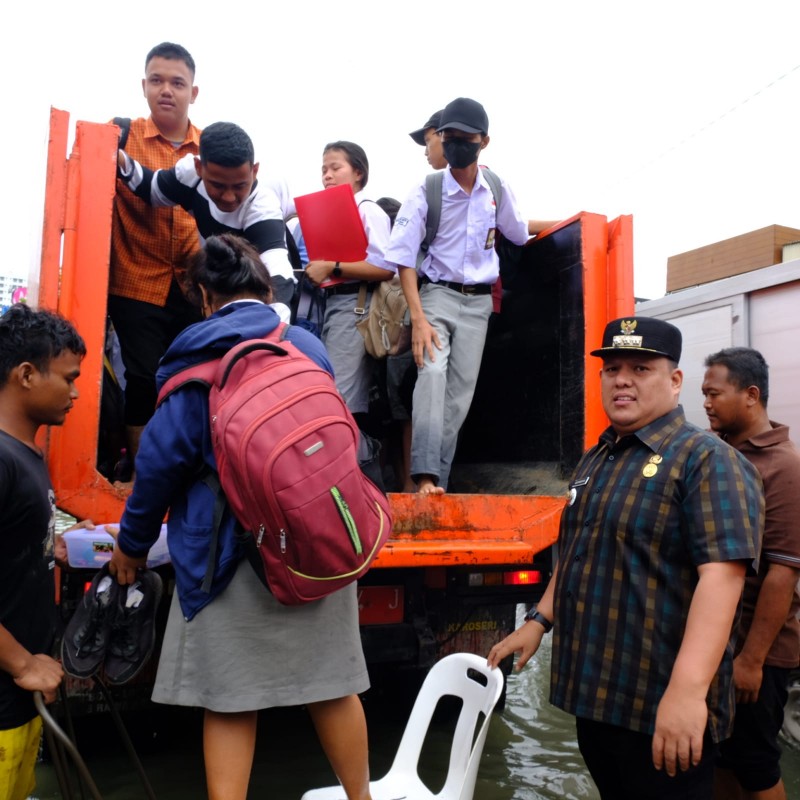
[377,227]
[459,252]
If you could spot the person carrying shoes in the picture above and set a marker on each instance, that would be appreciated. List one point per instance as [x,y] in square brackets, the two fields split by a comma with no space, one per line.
[225,630]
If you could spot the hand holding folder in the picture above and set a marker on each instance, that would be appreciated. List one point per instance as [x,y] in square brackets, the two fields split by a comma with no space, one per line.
[331,225]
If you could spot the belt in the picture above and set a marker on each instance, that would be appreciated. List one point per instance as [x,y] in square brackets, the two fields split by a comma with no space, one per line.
[347,288]
[462,288]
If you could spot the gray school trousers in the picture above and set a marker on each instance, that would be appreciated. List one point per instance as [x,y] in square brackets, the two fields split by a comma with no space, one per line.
[444,389]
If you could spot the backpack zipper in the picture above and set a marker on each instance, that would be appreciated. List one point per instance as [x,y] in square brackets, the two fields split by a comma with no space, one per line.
[347,518]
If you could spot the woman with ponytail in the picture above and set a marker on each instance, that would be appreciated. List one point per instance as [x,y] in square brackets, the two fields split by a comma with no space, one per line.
[234,649]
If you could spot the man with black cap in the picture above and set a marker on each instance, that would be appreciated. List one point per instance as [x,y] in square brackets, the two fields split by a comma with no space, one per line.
[449,292]
[661,523]
[428,137]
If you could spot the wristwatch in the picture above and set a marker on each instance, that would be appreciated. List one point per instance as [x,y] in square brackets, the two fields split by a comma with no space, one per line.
[534,615]
[336,271]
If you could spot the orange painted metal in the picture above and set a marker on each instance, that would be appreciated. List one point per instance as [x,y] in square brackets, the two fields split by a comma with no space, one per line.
[457,529]
[608,294]
[74,279]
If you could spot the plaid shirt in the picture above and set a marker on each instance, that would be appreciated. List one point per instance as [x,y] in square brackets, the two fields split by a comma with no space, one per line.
[643,514]
[149,244]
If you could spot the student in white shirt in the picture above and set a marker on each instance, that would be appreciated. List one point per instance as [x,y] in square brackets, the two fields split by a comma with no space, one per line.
[449,296]
[345,162]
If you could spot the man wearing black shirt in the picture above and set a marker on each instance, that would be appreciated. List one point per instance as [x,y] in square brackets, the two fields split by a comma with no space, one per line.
[40,358]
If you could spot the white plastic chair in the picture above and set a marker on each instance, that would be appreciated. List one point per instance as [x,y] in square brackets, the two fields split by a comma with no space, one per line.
[462,675]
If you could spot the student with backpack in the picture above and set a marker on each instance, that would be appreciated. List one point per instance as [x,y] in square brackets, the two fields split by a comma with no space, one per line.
[230,646]
[449,290]
[346,162]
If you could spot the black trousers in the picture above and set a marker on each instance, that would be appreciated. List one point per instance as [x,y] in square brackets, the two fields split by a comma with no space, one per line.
[145,331]
[621,764]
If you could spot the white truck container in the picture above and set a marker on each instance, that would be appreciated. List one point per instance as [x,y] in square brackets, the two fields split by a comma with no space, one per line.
[759,309]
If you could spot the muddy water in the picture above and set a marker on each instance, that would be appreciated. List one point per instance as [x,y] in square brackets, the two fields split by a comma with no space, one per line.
[530,752]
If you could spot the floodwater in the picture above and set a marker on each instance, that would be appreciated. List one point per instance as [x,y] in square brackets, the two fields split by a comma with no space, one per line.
[530,752]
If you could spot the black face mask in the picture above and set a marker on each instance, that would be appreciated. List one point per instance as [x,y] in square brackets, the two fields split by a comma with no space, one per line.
[461,153]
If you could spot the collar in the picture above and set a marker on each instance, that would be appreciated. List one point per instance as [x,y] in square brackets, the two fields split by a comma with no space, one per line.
[152,132]
[653,435]
[778,434]
[451,185]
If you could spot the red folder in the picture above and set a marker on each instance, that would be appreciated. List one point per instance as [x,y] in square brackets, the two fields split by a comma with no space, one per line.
[331,225]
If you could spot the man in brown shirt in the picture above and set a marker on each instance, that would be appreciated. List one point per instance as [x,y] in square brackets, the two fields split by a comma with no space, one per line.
[150,246]
[736,389]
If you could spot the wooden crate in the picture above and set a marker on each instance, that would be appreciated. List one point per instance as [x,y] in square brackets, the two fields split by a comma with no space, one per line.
[761,248]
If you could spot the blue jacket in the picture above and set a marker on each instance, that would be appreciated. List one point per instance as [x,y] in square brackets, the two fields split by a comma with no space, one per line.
[175,447]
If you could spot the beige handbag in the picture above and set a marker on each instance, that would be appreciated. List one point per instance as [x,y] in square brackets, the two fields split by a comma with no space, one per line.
[385,325]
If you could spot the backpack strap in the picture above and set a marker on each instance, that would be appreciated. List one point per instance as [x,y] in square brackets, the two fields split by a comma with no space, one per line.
[433,193]
[124,124]
[495,184]
[211,479]
[202,374]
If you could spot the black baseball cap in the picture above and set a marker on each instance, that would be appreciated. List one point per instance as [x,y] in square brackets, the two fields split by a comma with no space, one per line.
[641,335]
[466,115]
[419,135]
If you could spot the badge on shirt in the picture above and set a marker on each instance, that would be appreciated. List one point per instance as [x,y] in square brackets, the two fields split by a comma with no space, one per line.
[490,237]
[651,467]
[573,490]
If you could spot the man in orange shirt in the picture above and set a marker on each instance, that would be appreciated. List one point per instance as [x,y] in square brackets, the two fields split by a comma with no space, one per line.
[150,246]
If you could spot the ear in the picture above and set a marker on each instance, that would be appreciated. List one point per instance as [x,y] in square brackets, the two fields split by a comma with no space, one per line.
[24,374]
[485,142]
[198,167]
[144,84]
[195,89]
[753,395]
[255,170]
[205,304]
[676,380]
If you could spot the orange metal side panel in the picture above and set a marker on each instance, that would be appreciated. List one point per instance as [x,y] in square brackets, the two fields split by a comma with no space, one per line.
[43,291]
[595,310]
[84,189]
[608,294]
[620,266]
[469,529]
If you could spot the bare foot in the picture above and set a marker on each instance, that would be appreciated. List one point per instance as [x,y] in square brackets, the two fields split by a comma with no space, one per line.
[123,486]
[427,486]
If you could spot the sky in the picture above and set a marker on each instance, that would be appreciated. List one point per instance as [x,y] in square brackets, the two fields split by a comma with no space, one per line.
[683,114]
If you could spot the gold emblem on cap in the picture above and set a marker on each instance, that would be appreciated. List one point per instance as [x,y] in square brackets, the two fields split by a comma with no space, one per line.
[656,459]
[627,326]
[649,470]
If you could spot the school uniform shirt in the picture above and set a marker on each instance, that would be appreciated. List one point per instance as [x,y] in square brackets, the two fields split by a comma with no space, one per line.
[644,512]
[378,229]
[463,248]
[259,219]
[778,462]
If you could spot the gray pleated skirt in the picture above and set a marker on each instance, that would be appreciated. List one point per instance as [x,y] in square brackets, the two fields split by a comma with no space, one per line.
[245,651]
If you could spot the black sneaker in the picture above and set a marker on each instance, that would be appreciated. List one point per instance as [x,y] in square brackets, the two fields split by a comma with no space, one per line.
[87,635]
[134,628]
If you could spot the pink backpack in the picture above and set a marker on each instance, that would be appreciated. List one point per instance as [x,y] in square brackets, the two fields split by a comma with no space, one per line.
[286,451]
